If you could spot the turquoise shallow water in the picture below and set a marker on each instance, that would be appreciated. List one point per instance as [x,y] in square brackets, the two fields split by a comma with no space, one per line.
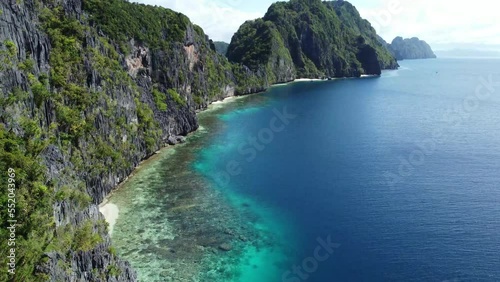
[256,262]
[399,173]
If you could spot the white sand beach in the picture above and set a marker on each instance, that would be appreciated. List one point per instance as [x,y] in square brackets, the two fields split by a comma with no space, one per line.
[110,212]
[218,104]
[297,80]
[308,79]
[280,84]
[225,100]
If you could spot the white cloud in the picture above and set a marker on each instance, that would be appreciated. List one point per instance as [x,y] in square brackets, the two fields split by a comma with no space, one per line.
[439,22]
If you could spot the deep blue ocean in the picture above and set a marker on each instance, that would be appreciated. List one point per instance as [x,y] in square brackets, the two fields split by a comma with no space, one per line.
[394,178]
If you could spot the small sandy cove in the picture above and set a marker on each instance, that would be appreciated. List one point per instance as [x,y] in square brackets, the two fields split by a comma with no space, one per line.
[110,212]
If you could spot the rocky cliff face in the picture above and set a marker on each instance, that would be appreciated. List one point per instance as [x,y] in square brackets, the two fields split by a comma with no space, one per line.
[352,20]
[82,103]
[310,39]
[411,48]
[259,45]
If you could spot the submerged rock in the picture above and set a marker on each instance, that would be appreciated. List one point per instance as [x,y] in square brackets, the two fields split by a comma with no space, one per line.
[174,140]
[171,140]
[225,247]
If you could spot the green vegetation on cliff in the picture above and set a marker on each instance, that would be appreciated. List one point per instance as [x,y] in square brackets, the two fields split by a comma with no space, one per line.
[221,47]
[268,53]
[122,20]
[163,30]
[33,199]
[352,20]
[62,91]
[323,39]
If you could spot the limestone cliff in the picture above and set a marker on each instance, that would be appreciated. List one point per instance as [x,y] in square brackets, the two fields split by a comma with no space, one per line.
[310,38]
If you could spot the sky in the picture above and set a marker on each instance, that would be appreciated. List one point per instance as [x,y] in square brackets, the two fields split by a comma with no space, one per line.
[445,24]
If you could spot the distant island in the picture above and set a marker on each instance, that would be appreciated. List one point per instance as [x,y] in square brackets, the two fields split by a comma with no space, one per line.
[410,48]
